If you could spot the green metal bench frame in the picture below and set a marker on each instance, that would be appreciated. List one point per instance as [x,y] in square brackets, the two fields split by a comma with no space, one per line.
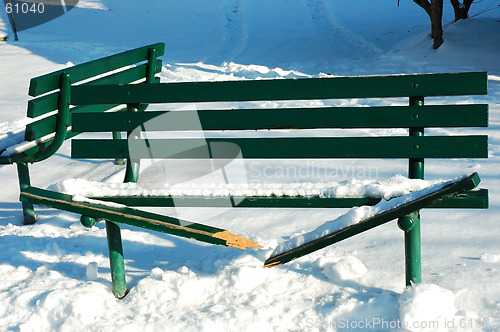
[91,102]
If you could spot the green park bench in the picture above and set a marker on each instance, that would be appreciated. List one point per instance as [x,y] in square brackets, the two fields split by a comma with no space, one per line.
[112,94]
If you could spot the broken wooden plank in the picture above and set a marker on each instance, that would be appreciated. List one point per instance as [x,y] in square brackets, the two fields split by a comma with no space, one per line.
[383,212]
[121,214]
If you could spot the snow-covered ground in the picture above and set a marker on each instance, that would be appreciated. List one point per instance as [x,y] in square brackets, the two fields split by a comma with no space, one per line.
[55,274]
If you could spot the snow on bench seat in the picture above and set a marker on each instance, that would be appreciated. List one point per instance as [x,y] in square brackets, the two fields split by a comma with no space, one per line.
[386,188]
[366,217]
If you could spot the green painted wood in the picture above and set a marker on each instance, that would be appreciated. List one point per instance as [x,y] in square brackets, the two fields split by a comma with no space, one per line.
[43,127]
[477,199]
[467,183]
[48,103]
[61,123]
[46,83]
[288,89]
[243,202]
[47,125]
[124,215]
[6,161]
[290,118]
[285,148]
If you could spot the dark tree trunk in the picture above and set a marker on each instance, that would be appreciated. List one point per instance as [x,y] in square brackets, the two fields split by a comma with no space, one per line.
[461,10]
[434,8]
[436,22]
[425,4]
[435,11]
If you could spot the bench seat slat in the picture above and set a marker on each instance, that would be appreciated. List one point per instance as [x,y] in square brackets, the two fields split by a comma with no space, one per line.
[366,223]
[476,199]
[287,89]
[135,217]
[297,118]
[286,148]
[48,103]
[46,83]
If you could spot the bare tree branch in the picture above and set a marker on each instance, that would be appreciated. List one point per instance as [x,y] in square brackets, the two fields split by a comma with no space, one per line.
[461,9]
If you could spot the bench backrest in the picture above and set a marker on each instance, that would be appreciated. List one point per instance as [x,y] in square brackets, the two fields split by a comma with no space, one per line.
[415,116]
[137,65]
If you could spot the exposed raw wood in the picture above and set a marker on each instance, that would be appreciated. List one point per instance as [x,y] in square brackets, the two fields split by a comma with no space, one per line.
[136,218]
[236,241]
[272,264]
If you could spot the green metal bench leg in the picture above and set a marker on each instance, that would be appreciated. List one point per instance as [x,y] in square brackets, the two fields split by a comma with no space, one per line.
[413,263]
[113,229]
[118,135]
[133,165]
[24,182]
[410,224]
[132,171]
[115,249]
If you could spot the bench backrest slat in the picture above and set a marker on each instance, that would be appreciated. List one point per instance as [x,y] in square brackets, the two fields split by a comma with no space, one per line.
[47,125]
[48,103]
[288,118]
[46,83]
[287,89]
[285,148]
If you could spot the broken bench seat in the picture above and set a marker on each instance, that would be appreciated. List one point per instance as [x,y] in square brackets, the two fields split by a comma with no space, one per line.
[259,118]
[363,218]
[91,108]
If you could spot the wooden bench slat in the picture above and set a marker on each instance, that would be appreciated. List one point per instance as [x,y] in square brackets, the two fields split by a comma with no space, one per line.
[407,207]
[286,89]
[47,125]
[288,118]
[476,199]
[48,103]
[135,217]
[286,148]
[46,83]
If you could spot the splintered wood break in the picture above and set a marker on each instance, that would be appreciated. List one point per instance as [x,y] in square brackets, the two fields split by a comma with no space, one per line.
[272,264]
[236,241]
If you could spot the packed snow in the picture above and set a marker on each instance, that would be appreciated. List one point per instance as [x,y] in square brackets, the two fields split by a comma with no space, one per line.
[374,188]
[55,274]
[427,308]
